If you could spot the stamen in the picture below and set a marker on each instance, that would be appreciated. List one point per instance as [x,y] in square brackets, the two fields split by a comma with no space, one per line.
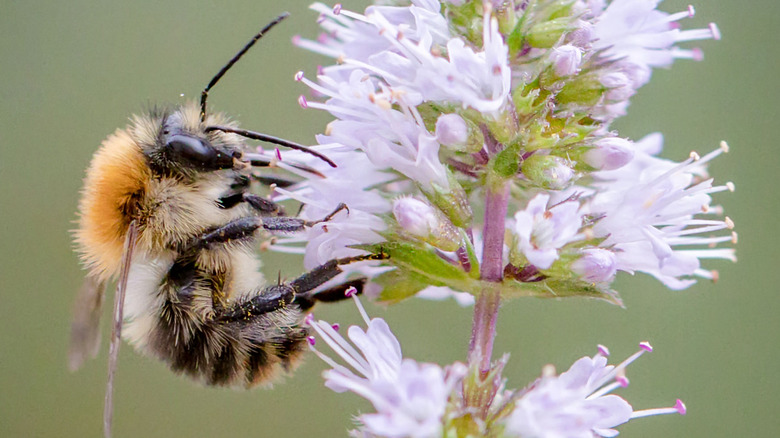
[605,390]
[302,101]
[715,31]
[352,292]
[604,351]
[299,75]
[341,347]
[678,408]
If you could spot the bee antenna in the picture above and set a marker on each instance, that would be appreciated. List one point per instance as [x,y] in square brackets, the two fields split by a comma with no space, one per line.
[271,139]
[205,94]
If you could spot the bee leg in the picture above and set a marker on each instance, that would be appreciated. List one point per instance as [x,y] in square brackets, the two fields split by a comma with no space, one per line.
[325,272]
[291,224]
[271,299]
[244,227]
[263,206]
[237,229]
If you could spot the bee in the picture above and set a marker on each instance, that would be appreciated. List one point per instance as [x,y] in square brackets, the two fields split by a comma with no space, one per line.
[166,211]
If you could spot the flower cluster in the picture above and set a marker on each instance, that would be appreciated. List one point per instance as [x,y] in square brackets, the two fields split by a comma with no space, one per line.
[424,400]
[446,110]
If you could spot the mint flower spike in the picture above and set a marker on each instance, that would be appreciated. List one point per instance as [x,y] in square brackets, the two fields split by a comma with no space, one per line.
[410,398]
[430,106]
[578,402]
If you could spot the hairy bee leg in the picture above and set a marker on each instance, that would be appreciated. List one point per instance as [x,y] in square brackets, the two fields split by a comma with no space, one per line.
[291,224]
[325,272]
[272,298]
[246,226]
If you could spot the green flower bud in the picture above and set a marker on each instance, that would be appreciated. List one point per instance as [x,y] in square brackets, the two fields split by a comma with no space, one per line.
[546,34]
[548,171]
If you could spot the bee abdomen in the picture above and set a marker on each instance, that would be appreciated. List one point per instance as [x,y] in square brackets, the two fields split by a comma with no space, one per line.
[236,353]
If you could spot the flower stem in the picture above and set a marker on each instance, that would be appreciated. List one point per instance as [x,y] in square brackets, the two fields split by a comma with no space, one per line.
[491,270]
[483,330]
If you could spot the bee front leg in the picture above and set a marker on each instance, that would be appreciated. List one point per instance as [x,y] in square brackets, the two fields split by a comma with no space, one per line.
[245,227]
[291,224]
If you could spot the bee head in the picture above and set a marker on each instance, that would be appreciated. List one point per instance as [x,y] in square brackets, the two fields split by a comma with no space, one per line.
[182,146]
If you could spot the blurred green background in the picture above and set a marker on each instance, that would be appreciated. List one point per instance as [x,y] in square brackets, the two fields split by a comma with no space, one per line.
[74,71]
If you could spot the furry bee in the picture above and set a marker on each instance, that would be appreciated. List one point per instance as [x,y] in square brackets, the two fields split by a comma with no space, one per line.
[166,211]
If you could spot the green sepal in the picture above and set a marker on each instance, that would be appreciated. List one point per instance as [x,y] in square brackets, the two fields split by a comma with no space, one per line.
[472,254]
[453,203]
[506,163]
[546,34]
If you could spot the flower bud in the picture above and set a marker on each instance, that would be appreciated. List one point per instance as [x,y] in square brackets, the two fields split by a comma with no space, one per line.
[566,60]
[548,171]
[421,220]
[610,153]
[596,265]
[619,85]
[546,34]
[452,131]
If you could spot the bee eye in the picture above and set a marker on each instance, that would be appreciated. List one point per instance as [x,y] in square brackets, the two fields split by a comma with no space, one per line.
[192,149]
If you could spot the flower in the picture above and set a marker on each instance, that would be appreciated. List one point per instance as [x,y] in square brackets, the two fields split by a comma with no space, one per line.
[409,397]
[649,211]
[578,402]
[636,33]
[541,231]
[439,107]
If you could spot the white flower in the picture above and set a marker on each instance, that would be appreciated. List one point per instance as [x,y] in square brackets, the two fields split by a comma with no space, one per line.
[398,44]
[351,183]
[610,153]
[578,402]
[541,231]
[410,398]
[649,210]
[596,265]
[637,33]
[451,130]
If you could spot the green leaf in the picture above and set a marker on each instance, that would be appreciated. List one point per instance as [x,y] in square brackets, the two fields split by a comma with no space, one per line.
[397,285]
[421,259]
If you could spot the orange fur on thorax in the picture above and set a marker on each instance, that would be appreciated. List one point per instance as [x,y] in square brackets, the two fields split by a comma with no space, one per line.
[116,178]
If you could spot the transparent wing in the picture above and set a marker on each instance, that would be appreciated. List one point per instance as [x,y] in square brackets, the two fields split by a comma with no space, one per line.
[116,326]
[85,327]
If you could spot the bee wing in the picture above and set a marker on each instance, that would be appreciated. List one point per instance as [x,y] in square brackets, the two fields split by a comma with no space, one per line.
[85,327]
[116,326]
